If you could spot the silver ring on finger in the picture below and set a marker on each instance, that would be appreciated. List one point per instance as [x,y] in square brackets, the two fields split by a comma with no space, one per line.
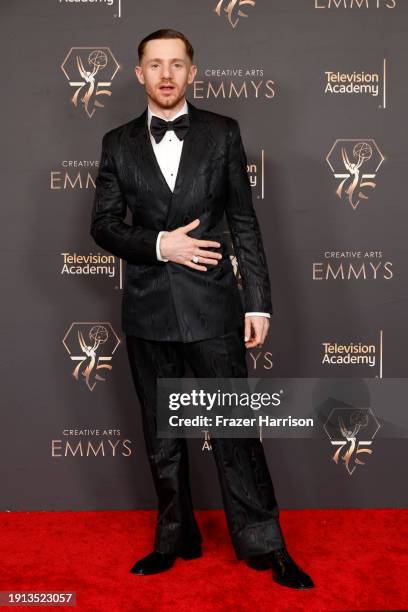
[195,259]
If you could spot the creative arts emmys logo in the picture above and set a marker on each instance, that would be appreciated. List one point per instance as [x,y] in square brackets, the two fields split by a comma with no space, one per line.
[232,8]
[354,4]
[91,71]
[90,346]
[74,174]
[361,159]
[234,83]
[352,266]
[351,431]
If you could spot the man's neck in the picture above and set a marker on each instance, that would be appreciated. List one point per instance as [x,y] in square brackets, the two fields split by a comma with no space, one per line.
[166,113]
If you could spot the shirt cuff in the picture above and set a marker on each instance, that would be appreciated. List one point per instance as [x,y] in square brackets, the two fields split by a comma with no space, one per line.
[258,314]
[158,255]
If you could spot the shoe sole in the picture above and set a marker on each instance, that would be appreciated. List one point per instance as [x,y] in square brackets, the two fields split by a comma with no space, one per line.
[290,586]
[187,557]
[136,573]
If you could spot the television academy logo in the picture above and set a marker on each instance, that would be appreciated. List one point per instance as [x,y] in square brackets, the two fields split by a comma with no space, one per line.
[91,264]
[92,3]
[206,441]
[357,354]
[362,83]
[233,11]
[83,342]
[256,175]
[353,353]
[351,432]
[91,71]
[355,163]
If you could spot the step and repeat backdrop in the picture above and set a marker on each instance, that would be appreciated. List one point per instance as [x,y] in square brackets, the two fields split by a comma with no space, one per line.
[320,90]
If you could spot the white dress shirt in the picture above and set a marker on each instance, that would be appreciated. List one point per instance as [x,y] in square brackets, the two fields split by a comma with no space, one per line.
[168,153]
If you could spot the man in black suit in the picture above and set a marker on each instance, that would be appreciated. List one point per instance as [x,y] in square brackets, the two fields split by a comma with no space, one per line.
[179,170]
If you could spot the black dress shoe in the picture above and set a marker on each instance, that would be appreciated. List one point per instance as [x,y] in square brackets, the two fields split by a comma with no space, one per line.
[154,563]
[157,562]
[285,571]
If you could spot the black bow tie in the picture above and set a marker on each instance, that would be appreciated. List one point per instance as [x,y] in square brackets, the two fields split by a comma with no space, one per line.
[158,127]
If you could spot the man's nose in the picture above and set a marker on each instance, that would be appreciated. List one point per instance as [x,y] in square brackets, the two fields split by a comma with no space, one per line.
[166,72]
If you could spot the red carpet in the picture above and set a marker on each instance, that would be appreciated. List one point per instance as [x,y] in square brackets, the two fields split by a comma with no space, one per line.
[357,558]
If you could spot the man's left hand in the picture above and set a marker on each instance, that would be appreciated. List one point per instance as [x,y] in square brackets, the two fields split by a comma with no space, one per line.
[256,329]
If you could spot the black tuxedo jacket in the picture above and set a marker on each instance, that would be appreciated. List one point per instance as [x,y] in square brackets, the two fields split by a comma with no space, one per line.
[166,300]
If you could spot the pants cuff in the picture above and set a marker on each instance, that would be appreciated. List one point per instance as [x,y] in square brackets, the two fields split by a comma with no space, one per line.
[258,539]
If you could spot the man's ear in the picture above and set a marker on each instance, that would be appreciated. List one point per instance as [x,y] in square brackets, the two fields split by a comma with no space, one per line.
[192,73]
[139,74]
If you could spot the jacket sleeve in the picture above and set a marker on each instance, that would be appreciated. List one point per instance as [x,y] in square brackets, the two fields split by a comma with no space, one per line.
[133,243]
[244,227]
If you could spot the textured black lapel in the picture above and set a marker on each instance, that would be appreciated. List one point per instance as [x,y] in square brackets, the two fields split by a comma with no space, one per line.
[148,165]
[197,145]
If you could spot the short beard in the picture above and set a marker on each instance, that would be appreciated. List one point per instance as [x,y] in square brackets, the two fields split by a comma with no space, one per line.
[171,103]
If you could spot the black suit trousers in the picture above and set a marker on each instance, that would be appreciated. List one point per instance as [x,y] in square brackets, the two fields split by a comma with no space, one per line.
[246,486]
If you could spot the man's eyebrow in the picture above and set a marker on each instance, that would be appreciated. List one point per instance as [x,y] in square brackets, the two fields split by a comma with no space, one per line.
[158,59]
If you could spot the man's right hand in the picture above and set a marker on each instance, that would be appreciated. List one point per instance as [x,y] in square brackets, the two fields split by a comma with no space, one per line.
[176,246]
